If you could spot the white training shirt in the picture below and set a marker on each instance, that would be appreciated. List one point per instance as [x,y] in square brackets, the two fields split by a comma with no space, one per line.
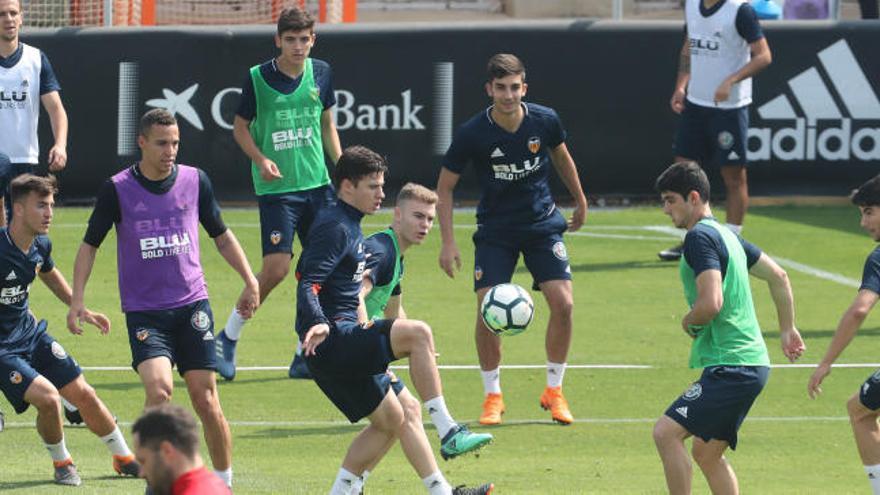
[20,107]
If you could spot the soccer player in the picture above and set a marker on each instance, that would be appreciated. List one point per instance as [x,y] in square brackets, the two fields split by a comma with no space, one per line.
[284,123]
[156,206]
[166,442]
[349,358]
[36,369]
[727,340]
[25,71]
[382,298]
[864,405]
[723,48]
[512,145]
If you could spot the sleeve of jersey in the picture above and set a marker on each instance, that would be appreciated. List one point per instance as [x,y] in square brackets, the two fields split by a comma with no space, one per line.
[105,214]
[326,248]
[247,104]
[325,86]
[45,248]
[753,253]
[209,210]
[871,273]
[701,252]
[48,81]
[555,132]
[457,156]
[747,24]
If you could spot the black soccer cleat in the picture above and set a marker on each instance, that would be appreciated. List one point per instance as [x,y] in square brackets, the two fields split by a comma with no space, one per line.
[671,254]
[478,490]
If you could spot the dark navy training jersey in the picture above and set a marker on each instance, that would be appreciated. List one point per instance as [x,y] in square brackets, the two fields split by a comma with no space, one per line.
[704,249]
[512,168]
[331,268]
[871,273]
[284,84]
[17,271]
[380,254]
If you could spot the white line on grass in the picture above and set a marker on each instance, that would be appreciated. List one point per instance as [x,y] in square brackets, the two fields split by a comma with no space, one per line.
[600,421]
[809,270]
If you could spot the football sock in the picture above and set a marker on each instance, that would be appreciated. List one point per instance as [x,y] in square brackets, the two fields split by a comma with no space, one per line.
[345,479]
[234,325]
[437,484]
[736,229]
[492,381]
[358,486]
[225,475]
[874,477]
[116,443]
[555,372]
[67,405]
[58,451]
[440,415]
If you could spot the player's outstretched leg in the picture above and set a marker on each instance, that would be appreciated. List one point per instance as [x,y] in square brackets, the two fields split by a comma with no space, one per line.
[99,420]
[867,433]
[669,438]
[202,387]
[558,294]
[489,354]
[44,397]
[718,472]
[413,339]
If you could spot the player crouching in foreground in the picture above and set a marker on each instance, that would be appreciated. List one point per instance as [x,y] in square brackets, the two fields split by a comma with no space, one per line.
[727,340]
[36,369]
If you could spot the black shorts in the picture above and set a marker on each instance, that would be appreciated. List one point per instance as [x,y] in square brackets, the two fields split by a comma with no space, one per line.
[351,366]
[285,213]
[869,392]
[45,357]
[713,136]
[715,406]
[496,253]
[185,335]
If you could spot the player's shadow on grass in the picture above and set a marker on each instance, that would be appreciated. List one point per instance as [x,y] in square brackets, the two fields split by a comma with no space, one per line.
[622,265]
[843,218]
[279,433]
[281,377]
[809,334]
[122,386]
[20,485]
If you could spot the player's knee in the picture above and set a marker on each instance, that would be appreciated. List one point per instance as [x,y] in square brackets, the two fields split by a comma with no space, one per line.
[412,411]
[206,403]
[704,456]
[158,394]
[856,410]
[663,433]
[46,400]
[423,333]
[562,306]
[85,396]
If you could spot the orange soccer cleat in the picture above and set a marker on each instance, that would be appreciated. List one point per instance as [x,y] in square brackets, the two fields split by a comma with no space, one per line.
[493,408]
[553,400]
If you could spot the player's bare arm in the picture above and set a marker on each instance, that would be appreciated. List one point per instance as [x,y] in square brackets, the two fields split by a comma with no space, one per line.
[450,256]
[849,324]
[394,308]
[710,299]
[82,269]
[681,80]
[57,158]
[366,288]
[567,170]
[780,290]
[761,58]
[330,136]
[230,249]
[242,134]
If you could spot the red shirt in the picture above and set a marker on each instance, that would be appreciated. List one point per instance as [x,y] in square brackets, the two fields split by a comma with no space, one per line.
[199,482]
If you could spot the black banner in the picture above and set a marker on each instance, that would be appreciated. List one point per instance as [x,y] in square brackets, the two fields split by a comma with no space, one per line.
[402,90]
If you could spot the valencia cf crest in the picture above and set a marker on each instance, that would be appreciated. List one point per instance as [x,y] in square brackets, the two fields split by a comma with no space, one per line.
[58,351]
[200,321]
[534,144]
[478,273]
[693,393]
[367,324]
[15,377]
[559,251]
[275,237]
[142,334]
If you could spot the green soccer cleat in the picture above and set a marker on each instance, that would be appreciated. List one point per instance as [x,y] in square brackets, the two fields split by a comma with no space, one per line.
[460,440]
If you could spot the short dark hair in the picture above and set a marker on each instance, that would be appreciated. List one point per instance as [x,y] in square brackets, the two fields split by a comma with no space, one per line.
[356,163]
[24,184]
[868,194]
[168,423]
[295,19]
[503,65]
[156,116]
[682,178]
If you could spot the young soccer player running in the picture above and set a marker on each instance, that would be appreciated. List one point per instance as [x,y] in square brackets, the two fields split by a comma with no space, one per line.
[512,146]
[349,358]
[727,340]
[284,123]
[156,206]
[382,298]
[36,369]
[864,405]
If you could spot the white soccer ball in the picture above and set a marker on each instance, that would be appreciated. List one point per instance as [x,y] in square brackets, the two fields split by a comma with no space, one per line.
[507,309]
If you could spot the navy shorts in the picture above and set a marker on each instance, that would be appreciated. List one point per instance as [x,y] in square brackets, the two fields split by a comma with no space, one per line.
[497,251]
[185,335]
[45,357]
[351,366]
[282,214]
[715,406]
[869,393]
[713,136]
